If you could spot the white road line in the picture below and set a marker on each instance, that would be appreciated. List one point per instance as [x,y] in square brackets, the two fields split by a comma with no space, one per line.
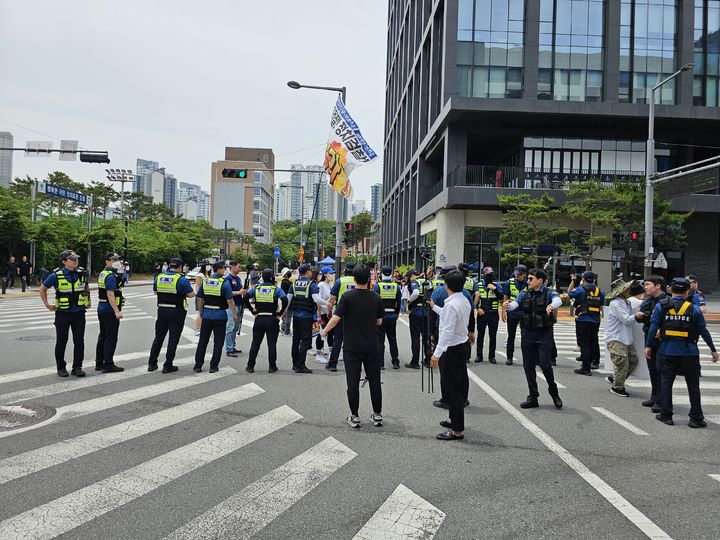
[627,425]
[74,383]
[635,516]
[402,320]
[714,418]
[90,322]
[39,459]
[704,385]
[684,399]
[104,403]
[250,510]
[28,322]
[403,515]
[540,374]
[53,519]
[715,477]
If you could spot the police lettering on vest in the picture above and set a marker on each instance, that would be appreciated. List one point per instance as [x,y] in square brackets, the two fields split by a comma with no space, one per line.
[167,293]
[265,300]
[102,291]
[489,300]
[71,294]
[678,323]
[388,293]
[534,307]
[212,290]
[302,300]
[592,303]
[421,297]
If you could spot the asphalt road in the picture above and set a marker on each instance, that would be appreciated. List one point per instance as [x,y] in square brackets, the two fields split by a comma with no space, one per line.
[144,455]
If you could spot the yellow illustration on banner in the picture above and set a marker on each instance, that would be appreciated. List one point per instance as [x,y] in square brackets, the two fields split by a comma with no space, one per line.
[335,163]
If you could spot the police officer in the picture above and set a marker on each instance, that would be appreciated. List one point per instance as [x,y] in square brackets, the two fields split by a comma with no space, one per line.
[391,296]
[340,287]
[417,308]
[72,298]
[263,303]
[304,299]
[588,302]
[513,286]
[215,296]
[695,295]
[172,289]
[535,309]
[488,313]
[680,323]
[109,313]
[654,293]
[232,330]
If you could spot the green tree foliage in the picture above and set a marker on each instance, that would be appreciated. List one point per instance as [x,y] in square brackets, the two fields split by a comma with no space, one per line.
[362,226]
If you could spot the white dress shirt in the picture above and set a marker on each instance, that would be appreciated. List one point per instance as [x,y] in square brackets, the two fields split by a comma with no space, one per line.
[454,319]
[619,321]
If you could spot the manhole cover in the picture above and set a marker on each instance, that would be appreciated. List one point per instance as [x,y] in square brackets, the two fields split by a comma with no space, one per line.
[35,338]
[18,416]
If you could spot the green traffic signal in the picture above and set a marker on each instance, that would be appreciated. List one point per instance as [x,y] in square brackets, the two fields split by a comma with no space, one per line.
[235,173]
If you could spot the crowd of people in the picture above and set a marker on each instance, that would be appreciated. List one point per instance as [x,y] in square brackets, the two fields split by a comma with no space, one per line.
[449,312]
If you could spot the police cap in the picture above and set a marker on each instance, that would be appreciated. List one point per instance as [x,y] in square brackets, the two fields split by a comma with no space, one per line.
[268,275]
[521,269]
[68,254]
[386,270]
[303,268]
[463,266]
[412,272]
[111,256]
[680,285]
[175,263]
[589,276]
[350,266]
[448,268]
[218,265]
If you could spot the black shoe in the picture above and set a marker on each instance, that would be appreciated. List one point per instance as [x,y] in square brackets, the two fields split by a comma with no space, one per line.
[77,372]
[557,401]
[478,359]
[467,404]
[152,366]
[693,423]
[509,362]
[250,369]
[99,367]
[553,362]
[594,366]
[440,404]
[236,351]
[169,369]
[648,403]
[468,360]
[449,436]
[197,369]
[396,365]
[665,419]
[578,358]
[382,367]
[530,403]
[272,370]
[331,368]
[581,371]
[426,364]
[619,392]
[214,369]
[112,368]
[303,369]
[492,360]
[231,353]
[410,365]
[445,424]
[63,373]
[657,409]
[610,379]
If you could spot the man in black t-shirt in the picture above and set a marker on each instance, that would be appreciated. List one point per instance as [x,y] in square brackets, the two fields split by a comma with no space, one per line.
[25,270]
[12,272]
[361,311]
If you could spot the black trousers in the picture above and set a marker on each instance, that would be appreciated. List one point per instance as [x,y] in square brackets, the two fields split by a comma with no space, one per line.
[301,340]
[655,375]
[337,344]
[319,344]
[454,382]
[490,320]
[10,279]
[537,346]
[354,362]
[689,366]
[388,328]
[512,326]
[265,325]
[217,329]
[107,339]
[587,339]
[64,321]
[418,329]
[168,320]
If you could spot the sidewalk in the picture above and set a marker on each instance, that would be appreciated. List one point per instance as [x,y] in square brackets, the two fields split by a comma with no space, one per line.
[11,294]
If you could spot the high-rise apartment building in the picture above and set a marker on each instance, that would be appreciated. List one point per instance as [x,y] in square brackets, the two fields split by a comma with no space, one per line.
[282,201]
[192,202]
[143,166]
[488,97]
[6,158]
[375,201]
[170,191]
[316,198]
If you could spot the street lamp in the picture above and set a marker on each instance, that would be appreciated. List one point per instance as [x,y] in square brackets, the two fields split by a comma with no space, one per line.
[122,176]
[650,168]
[340,214]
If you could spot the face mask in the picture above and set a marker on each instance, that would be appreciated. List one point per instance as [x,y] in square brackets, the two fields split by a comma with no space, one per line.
[331,277]
[117,265]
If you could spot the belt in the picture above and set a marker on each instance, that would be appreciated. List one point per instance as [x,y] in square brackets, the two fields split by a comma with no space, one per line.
[211,307]
[101,300]
[389,310]
[167,305]
[267,314]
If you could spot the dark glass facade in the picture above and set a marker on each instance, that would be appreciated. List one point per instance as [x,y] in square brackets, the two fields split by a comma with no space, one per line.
[706,86]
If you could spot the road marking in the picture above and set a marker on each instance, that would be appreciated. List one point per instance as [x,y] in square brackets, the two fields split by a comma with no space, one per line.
[39,459]
[704,385]
[86,382]
[715,477]
[90,406]
[627,425]
[540,374]
[53,518]
[404,321]
[714,418]
[635,516]
[403,515]
[90,322]
[34,321]
[250,510]
[684,399]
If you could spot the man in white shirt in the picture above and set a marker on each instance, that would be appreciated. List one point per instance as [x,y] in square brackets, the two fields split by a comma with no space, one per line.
[619,322]
[452,353]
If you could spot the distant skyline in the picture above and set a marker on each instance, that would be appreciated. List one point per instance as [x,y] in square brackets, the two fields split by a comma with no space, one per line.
[177,81]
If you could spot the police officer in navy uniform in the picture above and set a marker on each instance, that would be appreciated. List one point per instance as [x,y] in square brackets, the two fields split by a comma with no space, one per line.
[340,287]
[680,323]
[417,308]
[535,306]
[695,295]
[488,302]
[391,296]
[263,303]
[304,299]
[589,301]
[471,286]
[654,293]
[172,289]
[109,311]
[215,296]
[72,299]
[513,287]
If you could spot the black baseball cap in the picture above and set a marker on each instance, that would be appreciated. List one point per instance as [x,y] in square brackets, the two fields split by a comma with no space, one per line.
[303,268]
[68,254]
[111,256]
[350,266]
[521,269]
[268,275]
[680,285]
[412,272]
[387,270]
[448,268]
[463,266]
[218,265]
[176,262]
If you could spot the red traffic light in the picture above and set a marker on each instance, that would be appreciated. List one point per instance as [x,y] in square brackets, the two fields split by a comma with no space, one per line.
[634,235]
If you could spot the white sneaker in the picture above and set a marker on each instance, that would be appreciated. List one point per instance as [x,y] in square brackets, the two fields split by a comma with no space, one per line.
[197,332]
[320,358]
[377,420]
[353,422]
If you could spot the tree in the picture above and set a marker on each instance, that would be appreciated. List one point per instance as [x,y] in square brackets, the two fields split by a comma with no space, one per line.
[103,196]
[362,226]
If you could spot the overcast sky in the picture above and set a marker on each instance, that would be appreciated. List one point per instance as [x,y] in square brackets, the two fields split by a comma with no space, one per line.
[176,81]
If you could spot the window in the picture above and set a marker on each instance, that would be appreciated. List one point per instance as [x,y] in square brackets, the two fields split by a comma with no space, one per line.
[706,84]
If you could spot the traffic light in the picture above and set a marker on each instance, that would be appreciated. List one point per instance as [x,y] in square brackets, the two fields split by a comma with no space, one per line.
[634,236]
[349,234]
[94,157]
[235,173]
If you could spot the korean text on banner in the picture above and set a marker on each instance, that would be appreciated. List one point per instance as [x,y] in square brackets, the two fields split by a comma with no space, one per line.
[346,149]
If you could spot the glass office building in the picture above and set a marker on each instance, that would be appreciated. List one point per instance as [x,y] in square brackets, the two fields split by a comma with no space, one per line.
[510,96]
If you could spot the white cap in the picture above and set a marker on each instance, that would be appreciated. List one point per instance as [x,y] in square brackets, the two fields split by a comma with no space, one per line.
[284,271]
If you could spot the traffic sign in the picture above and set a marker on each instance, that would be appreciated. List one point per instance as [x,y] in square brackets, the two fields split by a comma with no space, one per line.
[660,261]
[276,252]
[68,150]
[57,191]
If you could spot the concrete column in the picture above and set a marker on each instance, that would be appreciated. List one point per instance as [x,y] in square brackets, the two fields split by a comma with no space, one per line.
[531,54]
[450,237]
[455,150]
[611,73]
[603,269]
[686,52]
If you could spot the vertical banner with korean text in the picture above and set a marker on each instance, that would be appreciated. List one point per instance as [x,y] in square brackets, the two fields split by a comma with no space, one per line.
[346,150]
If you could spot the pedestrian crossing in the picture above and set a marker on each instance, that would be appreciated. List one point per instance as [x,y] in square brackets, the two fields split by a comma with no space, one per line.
[245,512]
